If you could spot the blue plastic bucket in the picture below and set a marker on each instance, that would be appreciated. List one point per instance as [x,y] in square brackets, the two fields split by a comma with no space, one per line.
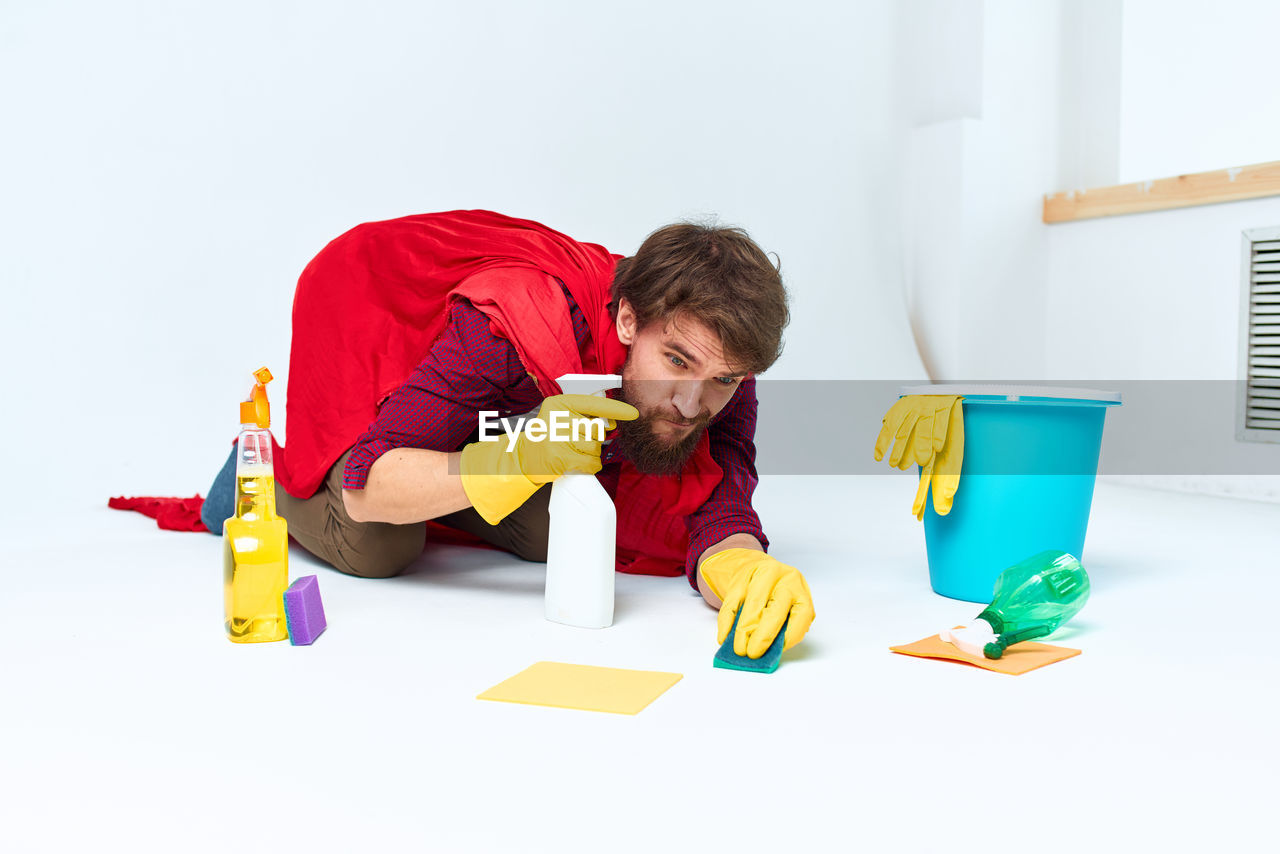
[1026,482]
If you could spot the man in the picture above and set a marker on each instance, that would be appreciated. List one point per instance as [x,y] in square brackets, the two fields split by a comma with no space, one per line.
[406,330]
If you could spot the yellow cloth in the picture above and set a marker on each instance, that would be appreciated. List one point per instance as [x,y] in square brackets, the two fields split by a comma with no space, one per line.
[1017,659]
[582,686]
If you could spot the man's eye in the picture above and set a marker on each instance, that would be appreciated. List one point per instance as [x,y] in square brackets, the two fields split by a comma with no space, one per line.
[677,361]
[726,380]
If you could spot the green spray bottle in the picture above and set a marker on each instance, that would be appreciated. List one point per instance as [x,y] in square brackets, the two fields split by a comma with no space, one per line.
[1031,600]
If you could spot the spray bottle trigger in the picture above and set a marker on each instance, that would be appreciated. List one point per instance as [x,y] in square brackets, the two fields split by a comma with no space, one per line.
[257,410]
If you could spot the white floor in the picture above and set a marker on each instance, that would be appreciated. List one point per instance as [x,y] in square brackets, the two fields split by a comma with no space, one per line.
[127,721]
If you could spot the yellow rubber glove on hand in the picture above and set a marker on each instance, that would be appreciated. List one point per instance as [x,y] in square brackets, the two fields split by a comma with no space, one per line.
[766,590]
[928,430]
[498,481]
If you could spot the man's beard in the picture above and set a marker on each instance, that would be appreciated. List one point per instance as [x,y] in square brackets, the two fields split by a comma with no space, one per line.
[649,452]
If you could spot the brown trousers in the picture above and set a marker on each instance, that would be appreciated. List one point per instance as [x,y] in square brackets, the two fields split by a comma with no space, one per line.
[380,550]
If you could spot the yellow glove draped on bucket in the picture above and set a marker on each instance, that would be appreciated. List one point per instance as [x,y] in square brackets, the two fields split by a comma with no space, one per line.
[498,480]
[928,430]
[766,590]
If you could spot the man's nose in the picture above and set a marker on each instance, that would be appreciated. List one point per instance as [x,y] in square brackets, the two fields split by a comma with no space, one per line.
[688,399]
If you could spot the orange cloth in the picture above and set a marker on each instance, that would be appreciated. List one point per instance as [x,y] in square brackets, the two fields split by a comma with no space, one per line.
[1017,659]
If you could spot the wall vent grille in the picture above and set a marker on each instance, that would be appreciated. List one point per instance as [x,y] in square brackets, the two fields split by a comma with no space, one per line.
[1258,416]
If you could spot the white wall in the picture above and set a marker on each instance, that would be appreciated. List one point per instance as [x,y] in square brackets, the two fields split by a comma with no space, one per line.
[1158,296]
[1071,93]
[1198,86]
[974,176]
[1090,89]
[169,168]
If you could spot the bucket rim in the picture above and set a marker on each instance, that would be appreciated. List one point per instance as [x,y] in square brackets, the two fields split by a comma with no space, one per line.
[1014,393]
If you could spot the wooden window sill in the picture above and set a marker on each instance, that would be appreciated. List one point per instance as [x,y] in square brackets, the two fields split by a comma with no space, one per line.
[1199,188]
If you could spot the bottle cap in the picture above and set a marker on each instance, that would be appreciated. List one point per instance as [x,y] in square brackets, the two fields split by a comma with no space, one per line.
[972,639]
[256,410]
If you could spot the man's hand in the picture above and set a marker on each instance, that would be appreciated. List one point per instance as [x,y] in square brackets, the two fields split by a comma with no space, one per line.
[766,590]
[498,480]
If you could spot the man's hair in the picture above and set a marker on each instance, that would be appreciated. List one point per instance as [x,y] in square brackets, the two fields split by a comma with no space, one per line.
[718,276]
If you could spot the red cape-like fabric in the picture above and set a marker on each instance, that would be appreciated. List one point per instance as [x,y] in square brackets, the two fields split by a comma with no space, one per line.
[371,304]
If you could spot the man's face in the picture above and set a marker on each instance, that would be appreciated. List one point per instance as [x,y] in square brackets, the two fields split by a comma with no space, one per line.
[676,375]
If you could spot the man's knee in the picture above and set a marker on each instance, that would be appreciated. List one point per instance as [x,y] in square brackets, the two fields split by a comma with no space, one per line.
[529,527]
[383,551]
[530,546]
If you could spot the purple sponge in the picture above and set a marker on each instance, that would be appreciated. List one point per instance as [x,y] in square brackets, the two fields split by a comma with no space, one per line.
[303,611]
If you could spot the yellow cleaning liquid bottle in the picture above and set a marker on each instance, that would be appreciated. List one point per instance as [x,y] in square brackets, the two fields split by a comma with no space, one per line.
[255,540]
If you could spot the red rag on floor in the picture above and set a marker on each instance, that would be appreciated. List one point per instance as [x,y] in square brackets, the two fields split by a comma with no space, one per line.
[171,514]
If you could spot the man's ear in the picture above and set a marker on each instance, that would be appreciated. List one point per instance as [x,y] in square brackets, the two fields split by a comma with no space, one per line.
[626,322]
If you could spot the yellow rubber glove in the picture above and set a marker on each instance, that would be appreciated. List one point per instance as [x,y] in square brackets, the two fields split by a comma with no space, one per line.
[942,472]
[766,590]
[928,430]
[498,481]
[918,423]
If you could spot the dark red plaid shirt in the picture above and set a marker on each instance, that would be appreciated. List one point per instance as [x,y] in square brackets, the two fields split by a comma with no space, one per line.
[470,369]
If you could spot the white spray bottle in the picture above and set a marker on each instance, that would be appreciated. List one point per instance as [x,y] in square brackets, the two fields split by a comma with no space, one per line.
[583,536]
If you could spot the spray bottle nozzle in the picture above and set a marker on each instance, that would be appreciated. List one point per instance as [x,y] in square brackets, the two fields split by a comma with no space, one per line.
[256,410]
[596,384]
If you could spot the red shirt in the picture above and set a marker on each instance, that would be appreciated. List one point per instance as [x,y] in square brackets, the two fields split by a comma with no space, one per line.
[469,369]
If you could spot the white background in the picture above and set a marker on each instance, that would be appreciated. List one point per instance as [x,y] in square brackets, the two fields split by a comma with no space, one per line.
[1032,98]
[1193,87]
[130,724]
[167,169]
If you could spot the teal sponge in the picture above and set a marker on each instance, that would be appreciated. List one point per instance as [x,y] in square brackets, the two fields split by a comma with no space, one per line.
[767,663]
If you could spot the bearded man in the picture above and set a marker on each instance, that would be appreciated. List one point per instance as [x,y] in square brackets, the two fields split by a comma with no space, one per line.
[405,331]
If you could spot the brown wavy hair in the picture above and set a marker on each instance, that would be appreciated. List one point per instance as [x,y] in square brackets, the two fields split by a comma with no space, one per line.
[716,275]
